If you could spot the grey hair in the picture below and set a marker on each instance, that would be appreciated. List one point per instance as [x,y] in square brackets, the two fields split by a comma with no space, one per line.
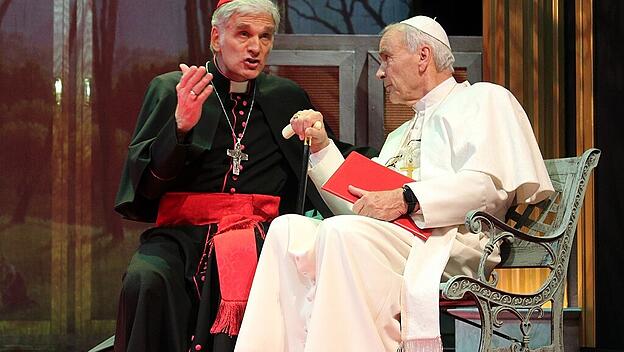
[415,38]
[245,7]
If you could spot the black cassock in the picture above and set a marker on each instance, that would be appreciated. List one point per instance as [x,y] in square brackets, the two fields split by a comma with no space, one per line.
[160,308]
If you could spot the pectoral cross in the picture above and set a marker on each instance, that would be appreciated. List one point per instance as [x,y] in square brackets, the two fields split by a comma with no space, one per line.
[237,156]
[409,167]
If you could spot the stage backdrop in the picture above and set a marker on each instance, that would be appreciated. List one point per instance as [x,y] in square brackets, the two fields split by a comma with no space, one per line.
[72,77]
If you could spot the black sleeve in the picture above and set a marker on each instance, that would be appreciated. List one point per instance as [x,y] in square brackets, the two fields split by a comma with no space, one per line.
[168,155]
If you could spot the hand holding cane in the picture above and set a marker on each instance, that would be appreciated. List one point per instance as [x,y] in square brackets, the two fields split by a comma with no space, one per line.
[288,132]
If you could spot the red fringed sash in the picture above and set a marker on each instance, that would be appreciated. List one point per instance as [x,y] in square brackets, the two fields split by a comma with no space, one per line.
[237,215]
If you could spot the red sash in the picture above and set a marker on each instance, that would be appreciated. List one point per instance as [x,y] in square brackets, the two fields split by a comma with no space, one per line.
[237,215]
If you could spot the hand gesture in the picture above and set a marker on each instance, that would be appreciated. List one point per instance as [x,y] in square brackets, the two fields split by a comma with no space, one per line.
[302,124]
[193,90]
[382,205]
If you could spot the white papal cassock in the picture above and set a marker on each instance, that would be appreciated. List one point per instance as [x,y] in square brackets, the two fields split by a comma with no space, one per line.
[353,283]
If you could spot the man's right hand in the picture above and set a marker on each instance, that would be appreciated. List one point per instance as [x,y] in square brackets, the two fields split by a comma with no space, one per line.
[193,90]
[303,124]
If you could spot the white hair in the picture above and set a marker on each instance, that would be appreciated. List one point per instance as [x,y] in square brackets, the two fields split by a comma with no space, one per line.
[245,7]
[415,38]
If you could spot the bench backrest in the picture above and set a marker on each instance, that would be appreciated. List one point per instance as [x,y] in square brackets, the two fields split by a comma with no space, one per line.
[553,218]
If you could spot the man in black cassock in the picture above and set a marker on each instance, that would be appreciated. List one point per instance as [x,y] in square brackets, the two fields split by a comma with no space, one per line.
[208,164]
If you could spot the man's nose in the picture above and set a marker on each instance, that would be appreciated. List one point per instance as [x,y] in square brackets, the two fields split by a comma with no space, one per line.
[253,44]
[381,73]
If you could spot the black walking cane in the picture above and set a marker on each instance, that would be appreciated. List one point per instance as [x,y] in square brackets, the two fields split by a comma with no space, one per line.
[288,132]
[303,181]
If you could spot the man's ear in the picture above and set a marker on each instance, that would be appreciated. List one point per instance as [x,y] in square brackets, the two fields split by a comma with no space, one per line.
[214,39]
[425,56]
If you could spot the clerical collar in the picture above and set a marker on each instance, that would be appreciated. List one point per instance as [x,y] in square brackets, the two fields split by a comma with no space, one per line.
[224,84]
[436,95]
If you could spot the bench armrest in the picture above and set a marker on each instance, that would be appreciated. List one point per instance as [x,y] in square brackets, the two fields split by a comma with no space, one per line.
[499,232]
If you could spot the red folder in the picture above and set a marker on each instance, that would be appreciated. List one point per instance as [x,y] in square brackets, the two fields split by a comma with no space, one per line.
[359,171]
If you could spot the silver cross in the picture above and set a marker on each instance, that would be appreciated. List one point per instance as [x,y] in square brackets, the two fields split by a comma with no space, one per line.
[237,156]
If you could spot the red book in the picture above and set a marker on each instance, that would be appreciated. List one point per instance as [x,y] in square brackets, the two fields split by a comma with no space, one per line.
[359,171]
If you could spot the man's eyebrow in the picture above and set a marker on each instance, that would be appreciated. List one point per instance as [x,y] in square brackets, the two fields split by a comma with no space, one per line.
[243,25]
[240,26]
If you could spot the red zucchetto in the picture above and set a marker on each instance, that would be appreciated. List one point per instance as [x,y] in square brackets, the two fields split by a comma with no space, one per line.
[222,2]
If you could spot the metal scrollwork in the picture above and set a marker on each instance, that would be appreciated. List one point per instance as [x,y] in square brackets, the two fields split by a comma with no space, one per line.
[525,322]
[477,223]
[557,242]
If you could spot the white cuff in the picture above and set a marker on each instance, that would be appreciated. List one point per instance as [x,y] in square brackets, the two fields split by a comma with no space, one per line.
[422,345]
[322,166]
[316,158]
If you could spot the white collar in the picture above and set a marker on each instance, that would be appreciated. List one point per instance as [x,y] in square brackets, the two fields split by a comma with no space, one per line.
[436,95]
[235,87]
[238,87]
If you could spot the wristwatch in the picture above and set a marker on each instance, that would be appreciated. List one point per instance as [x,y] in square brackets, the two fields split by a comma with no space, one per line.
[410,199]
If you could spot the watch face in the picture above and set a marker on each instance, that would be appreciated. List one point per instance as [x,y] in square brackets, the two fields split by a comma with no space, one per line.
[409,197]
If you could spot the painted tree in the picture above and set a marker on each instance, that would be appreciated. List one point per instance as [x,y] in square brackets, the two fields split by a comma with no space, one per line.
[25,119]
[104,37]
[4,6]
[345,9]
[198,26]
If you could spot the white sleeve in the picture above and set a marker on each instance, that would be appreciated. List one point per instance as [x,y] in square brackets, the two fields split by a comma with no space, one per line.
[323,164]
[445,200]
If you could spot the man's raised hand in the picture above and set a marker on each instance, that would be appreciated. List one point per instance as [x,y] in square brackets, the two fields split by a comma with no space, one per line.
[192,90]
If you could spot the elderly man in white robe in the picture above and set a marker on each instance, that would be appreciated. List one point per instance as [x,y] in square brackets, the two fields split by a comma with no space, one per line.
[357,282]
